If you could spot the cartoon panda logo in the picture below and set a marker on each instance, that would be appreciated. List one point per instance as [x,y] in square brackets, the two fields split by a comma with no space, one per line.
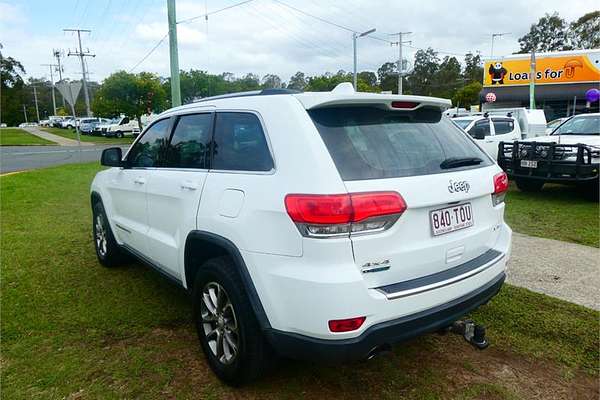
[497,73]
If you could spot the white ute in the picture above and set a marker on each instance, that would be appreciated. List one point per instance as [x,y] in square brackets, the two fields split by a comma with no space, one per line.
[489,130]
[322,226]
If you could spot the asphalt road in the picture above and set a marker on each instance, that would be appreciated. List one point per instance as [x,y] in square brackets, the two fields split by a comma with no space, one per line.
[19,158]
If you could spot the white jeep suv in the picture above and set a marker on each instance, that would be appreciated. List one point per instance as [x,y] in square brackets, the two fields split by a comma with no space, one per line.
[322,226]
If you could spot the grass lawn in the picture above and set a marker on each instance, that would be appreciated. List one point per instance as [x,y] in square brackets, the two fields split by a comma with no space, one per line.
[73,329]
[19,137]
[557,212]
[71,134]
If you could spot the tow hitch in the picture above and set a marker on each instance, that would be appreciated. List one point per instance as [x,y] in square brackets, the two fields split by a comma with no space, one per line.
[472,332]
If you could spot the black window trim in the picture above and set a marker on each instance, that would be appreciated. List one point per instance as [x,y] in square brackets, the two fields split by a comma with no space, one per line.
[265,134]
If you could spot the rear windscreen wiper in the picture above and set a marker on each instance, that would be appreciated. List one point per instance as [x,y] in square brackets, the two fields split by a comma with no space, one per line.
[455,162]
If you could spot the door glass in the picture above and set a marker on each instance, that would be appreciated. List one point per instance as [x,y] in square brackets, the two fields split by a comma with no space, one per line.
[190,142]
[503,126]
[240,143]
[148,151]
[480,130]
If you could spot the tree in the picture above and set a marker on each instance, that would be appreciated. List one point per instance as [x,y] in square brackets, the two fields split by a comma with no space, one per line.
[447,79]
[298,81]
[388,76]
[368,77]
[426,66]
[130,94]
[271,81]
[585,32]
[473,71]
[467,95]
[548,34]
[11,89]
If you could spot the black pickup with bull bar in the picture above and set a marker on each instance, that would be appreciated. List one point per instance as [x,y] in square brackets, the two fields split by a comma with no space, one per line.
[535,163]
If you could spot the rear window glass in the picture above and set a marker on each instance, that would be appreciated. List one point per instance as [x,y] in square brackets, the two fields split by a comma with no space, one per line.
[463,123]
[503,126]
[372,143]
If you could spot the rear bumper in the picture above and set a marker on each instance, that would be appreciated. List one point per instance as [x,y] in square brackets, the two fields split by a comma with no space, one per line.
[398,330]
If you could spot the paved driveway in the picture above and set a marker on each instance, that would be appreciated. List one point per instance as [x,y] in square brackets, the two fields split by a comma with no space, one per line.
[565,270]
[19,158]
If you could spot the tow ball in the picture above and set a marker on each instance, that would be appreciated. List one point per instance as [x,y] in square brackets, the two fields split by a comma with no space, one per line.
[471,332]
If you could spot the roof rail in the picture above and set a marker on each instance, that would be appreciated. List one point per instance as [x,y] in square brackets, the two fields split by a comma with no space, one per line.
[263,92]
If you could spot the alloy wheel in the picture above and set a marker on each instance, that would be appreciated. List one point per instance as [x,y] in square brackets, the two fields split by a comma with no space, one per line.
[219,323]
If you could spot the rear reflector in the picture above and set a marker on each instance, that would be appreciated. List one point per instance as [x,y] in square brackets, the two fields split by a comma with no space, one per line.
[404,104]
[346,325]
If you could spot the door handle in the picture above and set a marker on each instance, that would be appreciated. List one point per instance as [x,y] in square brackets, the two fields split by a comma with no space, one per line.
[489,141]
[189,185]
[139,180]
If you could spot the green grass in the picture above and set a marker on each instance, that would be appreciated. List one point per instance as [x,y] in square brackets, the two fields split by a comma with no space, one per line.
[19,137]
[71,134]
[73,329]
[557,212]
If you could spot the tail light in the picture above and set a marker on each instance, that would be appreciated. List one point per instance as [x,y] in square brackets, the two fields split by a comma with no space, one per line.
[324,216]
[500,188]
[346,325]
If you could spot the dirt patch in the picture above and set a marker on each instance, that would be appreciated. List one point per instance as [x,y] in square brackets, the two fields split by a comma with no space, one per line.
[444,366]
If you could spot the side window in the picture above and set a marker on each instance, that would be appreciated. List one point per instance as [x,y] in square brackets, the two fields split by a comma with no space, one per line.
[240,144]
[480,130]
[148,151]
[189,147]
[503,126]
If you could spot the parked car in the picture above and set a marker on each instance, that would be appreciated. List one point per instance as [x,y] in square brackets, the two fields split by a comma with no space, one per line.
[68,123]
[55,121]
[322,226]
[552,125]
[87,125]
[570,155]
[531,122]
[120,127]
[488,131]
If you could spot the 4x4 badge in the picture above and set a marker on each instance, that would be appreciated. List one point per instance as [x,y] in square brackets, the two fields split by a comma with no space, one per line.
[458,186]
[375,266]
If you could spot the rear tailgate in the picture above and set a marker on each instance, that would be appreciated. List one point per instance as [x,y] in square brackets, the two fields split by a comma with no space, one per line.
[409,246]
[433,165]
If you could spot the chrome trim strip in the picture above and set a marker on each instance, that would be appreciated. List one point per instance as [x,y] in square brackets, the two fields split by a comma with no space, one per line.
[437,285]
[122,228]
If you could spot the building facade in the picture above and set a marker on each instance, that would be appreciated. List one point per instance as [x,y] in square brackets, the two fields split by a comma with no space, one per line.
[561,82]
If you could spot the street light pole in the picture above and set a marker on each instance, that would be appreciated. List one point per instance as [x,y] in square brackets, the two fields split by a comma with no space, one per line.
[355,36]
[52,82]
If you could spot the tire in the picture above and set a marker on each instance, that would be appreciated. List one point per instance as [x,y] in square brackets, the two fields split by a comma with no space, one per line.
[108,250]
[529,185]
[119,134]
[235,323]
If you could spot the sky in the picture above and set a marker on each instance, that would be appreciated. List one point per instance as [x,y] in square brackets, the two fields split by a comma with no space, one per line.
[261,36]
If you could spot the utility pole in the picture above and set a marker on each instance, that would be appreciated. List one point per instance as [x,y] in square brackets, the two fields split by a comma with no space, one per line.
[399,43]
[532,81]
[356,35]
[52,81]
[58,54]
[173,55]
[37,110]
[25,113]
[494,36]
[81,56]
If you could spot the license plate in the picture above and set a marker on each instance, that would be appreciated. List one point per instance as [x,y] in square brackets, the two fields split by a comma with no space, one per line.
[450,219]
[528,164]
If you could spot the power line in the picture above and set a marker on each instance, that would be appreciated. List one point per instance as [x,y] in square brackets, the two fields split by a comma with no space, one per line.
[206,14]
[150,52]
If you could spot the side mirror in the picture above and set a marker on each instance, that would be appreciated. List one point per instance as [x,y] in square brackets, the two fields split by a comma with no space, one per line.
[112,157]
[479,133]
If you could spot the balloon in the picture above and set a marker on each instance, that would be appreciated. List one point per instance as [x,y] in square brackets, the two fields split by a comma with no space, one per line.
[592,95]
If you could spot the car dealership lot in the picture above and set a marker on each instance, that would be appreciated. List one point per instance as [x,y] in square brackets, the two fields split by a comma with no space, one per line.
[72,328]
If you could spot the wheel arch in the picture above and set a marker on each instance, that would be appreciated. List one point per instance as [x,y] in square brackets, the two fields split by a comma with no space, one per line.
[201,246]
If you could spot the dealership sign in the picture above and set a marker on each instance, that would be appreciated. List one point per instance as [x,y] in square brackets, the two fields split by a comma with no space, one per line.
[575,68]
